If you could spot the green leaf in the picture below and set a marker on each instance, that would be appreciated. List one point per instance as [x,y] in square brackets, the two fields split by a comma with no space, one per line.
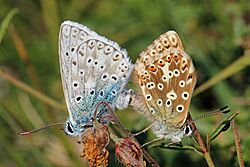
[232,69]
[179,146]
[5,23]
[224,125]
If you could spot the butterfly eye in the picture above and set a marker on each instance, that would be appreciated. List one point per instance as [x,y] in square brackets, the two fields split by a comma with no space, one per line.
[69,128]
[187,130]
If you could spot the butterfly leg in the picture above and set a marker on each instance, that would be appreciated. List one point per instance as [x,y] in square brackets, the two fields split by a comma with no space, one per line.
[144,130]
[150,142]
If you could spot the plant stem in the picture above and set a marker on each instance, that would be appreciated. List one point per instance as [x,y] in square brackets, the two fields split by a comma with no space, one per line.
[204,150]
[237,144]
[127,133]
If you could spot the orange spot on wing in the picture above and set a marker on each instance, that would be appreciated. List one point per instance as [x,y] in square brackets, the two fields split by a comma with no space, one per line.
[152,68]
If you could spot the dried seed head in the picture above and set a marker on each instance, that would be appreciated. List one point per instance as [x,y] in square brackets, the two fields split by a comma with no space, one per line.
[129,153]
[94,142]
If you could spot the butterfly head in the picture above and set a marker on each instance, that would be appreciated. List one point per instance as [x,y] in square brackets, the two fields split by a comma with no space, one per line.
[74,129]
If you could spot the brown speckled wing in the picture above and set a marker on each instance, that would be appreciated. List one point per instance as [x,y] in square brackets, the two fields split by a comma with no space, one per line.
[167,78]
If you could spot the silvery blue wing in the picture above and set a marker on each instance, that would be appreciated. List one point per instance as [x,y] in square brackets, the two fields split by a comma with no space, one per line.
[94,69]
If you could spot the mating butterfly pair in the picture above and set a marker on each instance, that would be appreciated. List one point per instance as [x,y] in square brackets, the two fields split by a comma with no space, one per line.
[95,69]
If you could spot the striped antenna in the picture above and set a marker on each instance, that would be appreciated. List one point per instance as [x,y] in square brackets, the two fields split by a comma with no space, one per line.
[25,133]
[222,110]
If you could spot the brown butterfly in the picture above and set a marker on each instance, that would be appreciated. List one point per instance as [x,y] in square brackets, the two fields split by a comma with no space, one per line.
[167,77]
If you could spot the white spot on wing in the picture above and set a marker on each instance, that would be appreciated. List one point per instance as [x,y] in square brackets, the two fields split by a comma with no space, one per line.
[148,97]
[179,108]
[185,95]
[176,73]
[160,86]
[168,103]
[172,95]
[182,83]
[159,102]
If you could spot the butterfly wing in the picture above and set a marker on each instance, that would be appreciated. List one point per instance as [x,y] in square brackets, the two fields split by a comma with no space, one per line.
[93,70]
[167,78]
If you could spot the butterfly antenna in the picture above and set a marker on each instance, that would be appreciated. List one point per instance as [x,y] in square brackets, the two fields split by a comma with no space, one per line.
[25,133]
[222,110]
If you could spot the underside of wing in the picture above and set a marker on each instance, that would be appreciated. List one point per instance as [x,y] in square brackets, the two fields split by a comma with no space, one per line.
[93,69]
[167,78]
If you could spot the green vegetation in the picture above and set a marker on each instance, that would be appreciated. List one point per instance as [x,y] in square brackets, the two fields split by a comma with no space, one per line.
[216,34]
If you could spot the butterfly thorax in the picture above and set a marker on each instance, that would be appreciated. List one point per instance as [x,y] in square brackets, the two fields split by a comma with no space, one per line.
[172,133]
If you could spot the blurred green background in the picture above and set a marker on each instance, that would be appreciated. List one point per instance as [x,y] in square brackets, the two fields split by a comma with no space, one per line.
[215,33]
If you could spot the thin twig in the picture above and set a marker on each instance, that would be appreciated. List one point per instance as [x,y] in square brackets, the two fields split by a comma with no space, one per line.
[127,133]
[237,144]
[236,66]
[31,91]
[24,56]
[203,148]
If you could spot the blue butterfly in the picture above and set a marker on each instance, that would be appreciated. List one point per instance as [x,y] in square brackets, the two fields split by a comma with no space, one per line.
[94,70]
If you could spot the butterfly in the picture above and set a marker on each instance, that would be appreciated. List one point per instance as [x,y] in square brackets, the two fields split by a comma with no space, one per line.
[167,77]
[93,69]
